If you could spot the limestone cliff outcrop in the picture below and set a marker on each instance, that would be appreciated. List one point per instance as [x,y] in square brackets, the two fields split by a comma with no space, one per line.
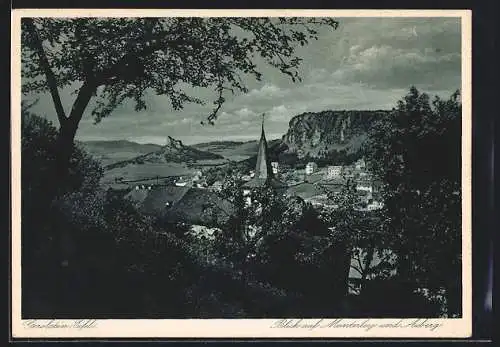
[317,134]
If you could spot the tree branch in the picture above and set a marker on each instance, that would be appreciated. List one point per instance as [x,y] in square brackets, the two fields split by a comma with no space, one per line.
[49,74]
[362,272]
[357,270]
[158,43]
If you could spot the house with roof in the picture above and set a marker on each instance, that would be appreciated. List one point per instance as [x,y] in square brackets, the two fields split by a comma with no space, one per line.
[174,204]
[360,164]
[333,172]
[201,207]
[304,190]
[364,189]
[156,199]
[364,185]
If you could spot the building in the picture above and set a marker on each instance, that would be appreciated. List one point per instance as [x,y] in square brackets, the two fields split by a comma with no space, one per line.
[311,167]
[202,183]
[275,167]
[333,172]
[202,231]
[174,204]
[374,205]
[246,178]
[263,175]
[364,185]
[348,172]
[360,164]
[143,187]
[197,176]
[155,201]
[183,182]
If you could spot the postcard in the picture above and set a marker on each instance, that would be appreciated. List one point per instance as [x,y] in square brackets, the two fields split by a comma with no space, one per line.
[241,173]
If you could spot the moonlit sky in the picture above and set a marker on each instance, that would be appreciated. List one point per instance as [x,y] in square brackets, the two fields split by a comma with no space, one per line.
[366,64]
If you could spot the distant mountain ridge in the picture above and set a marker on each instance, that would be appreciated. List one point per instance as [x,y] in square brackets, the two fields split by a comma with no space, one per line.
[120,145]
[110,152]
[174,151]
[327,136]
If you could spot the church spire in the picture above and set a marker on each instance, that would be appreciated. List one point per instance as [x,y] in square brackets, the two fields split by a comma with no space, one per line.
[264,175]
[262,134]
[263,167]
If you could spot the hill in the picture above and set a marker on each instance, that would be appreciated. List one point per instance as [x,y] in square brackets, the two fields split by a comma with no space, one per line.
[109,152]
[328,138]
[173,159]
[173,152]
[321,134]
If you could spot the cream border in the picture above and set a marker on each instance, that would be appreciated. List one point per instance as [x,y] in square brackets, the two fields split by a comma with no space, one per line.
[251,328]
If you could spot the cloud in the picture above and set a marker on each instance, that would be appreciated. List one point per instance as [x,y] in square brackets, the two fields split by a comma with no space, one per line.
[241,116]
[267,91]
[280,113]
[368,63]
[384,66]
[245,113]
[316,75]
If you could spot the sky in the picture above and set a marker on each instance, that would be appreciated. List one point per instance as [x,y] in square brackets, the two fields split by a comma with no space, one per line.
[366,64]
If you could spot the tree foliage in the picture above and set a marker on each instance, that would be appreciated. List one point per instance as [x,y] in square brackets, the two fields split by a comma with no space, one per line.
[41,189]
[115,59]
[271,249]
[416,151]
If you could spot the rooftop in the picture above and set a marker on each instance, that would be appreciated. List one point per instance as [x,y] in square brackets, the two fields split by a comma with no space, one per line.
[182,204]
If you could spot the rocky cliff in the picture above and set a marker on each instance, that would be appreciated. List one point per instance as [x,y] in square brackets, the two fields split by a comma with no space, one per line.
[317,135]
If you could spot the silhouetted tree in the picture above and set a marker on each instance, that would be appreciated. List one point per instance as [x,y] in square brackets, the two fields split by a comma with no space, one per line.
[114,59]
[416,151]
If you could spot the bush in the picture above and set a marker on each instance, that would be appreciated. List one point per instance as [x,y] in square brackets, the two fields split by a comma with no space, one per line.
[87,252]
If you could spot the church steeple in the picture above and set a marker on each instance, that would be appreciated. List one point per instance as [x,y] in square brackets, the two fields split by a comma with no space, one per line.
[264,175]
[263,167]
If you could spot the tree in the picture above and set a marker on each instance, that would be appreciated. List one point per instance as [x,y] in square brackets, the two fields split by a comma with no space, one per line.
[416,151]
[84,250]
[52,209]
[38,156]
[115,59]
[362,231]
[232,242]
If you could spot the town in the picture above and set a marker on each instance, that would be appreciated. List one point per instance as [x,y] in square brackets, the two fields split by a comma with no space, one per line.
[185,198]
[312,183]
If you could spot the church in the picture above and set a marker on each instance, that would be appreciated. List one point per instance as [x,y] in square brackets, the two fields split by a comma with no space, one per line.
[264,176]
